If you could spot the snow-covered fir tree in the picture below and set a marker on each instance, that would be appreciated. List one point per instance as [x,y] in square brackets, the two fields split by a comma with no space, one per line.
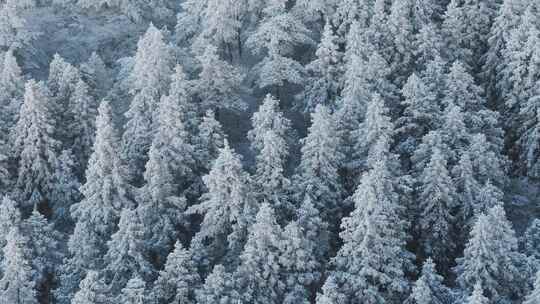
[228,209]
[259,271]
[209,140]
[492,242]
[534,296]
[17,284]
[12,84]
[126,255]
[218,287]
[325,73]
[429,288]
[278,33]
[134,292]
[219,85]
[105,193]
[318,175]
[477,296]
[179,280]
[34,147]
[376,227]
[92,290]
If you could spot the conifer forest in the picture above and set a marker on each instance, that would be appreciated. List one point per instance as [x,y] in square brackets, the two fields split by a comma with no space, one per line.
[269,151]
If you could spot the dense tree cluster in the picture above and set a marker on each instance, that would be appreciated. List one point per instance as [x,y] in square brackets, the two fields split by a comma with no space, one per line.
[273,151]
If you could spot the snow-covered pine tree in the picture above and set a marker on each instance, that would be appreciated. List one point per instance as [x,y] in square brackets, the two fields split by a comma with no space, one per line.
[222,26]
[95,73]
[66,189]
[318,175]
[506,20]
[179,280]
[149,80]
[300,260]
[270,138]
[84,111]
[324,73]
[15,32]
[492,242]
[12,92]
[421,114]
[62,81]
[218,287]
[134,292]
[34,147]
[429,288]
[44,250]
[268,117]
[531,240]
[138,133]
[209,141]
[477,296]
[152,63]
[436,202]
[169,171]
[534,296]
[258,276]
[466,29]
[126,254]
[219,84]
[10,217]
[105,193]
[376,227]
[92,290]
[278,34]
[228,210]
[17,285]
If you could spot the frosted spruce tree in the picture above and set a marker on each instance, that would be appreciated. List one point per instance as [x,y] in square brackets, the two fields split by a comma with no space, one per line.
[436,202]
[43,247]
[477,296]
[492,242]
[506,20]
[95,73]
[92,290]
[209,141]
[12,85]
[534,296]
[325,80]
[134,292]
[531,240]
[268,117]
[105,193]
[34,147]
[466,29]
[270,138]
[318,175]
[221,25]
[376,227]
[228,210]
[149,79]
[421,114]
[17,285]
[169,171]
[15,32]
[179,280]
[10,216]
[218,287]
[84,112]
[126,254]
[66,190]
[429,288]
[258,276]
[278,33]
[300,259]
[219,84]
